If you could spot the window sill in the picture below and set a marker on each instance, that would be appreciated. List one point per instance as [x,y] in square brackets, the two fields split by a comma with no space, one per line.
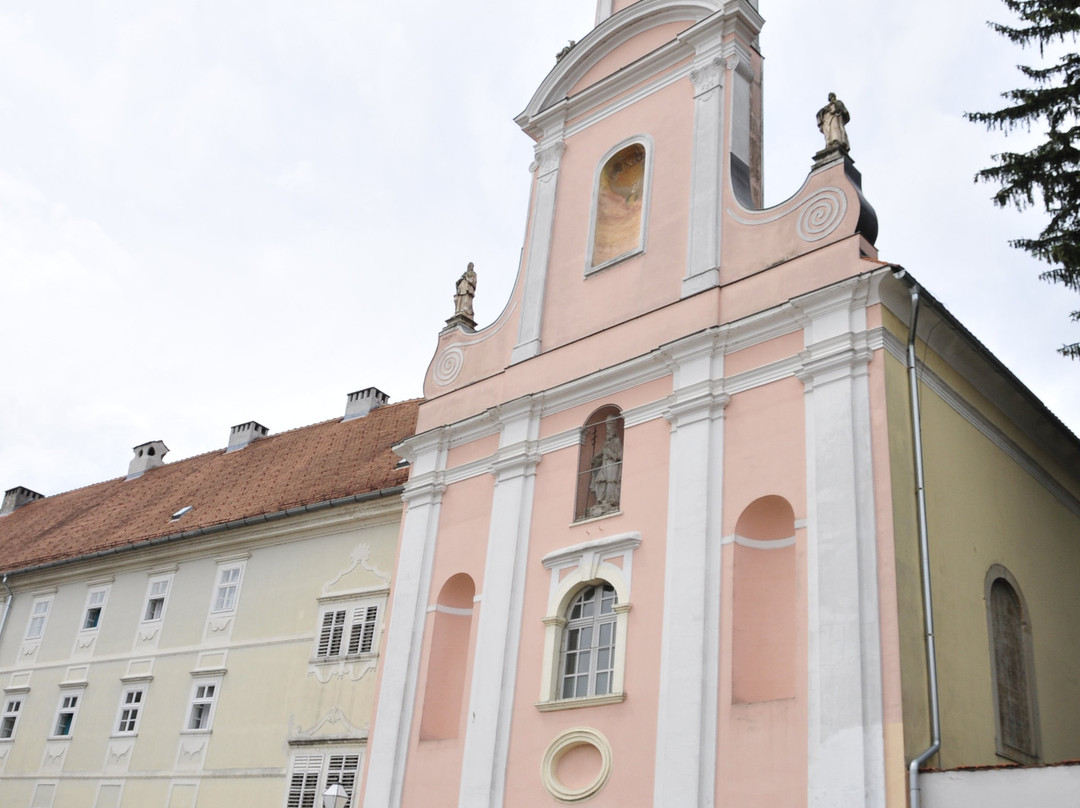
[59,738]
[196,731]
[618,259]
[122,735]
[587,701]
[343,658]
[587,519]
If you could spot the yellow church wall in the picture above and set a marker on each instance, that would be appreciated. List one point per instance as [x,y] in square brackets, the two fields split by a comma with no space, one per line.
[983,508]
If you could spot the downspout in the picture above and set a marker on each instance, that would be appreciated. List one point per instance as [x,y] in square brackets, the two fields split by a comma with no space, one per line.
[7,605]
[924,546]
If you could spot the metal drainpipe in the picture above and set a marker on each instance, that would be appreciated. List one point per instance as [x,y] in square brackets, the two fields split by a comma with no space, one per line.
[924,546]
[7,605]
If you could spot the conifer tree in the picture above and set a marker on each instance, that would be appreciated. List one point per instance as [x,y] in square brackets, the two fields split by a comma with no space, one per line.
[1050,172]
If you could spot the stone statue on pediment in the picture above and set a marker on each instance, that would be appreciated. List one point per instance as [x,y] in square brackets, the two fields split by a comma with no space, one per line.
[831,120]
[464,292]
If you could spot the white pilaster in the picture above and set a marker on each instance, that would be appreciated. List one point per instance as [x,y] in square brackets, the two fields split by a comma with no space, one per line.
[689,650]
[411,587]
[487,733]
[548,156]
[706,189]
[846,745]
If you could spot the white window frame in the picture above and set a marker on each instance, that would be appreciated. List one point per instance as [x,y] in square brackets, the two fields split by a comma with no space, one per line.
[132,700]
[9,718]
[202,703]
[572,569]
[39,617]
[312,772]
[96,598]
[582,663]
[157,588]
[348,630]
[69,704]
[220,601]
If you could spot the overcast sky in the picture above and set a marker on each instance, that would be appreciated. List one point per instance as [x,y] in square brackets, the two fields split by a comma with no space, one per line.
[219,212]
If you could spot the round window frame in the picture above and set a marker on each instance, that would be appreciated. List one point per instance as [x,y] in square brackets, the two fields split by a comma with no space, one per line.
[563,743]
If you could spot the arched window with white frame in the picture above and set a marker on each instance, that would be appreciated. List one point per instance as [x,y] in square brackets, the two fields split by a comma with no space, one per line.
[587,661]
[586,624]
[620,204]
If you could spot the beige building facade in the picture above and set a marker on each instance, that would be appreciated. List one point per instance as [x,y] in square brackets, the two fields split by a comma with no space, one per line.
[228,660]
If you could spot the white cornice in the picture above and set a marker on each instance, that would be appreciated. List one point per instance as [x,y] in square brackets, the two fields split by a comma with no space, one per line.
[606,37]
[604,546]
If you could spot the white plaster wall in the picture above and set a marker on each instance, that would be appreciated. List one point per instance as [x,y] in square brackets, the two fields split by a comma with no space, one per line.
[1045,787]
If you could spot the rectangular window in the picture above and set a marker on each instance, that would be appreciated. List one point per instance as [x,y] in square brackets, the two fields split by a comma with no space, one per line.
[95,602]
[311,775]
[9,718]
[228,588]
[65,715]
[155,599]
[203,698]
[39,613]
[347,631]
[131,702]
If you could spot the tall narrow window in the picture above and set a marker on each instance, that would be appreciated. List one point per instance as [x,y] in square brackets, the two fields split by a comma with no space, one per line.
[600,465]
[619,210]
[131,702]
[95,602]
[9,718]
[203,698]
[39,614]
[588,652]
[155,599]
[1011,656]
[65,715]
[228,588]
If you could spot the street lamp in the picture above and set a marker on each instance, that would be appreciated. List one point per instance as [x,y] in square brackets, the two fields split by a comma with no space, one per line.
[335,797]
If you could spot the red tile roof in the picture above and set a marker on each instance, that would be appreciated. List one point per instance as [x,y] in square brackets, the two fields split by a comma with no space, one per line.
[305,466]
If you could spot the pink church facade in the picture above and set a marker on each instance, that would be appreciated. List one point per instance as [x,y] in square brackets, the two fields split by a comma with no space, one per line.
[648,551]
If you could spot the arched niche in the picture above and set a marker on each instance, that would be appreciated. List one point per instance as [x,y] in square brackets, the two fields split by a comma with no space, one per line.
[448,659]
[764,615]
[1012,668]
[620,204]
[600,460]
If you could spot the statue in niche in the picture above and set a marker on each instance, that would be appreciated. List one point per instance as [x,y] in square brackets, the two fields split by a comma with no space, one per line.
[831,120]
[464,292]
[605,481]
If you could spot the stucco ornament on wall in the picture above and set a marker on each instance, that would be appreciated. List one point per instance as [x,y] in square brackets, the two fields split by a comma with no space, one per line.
[565,744]
[448,365]
[360,557]
[335,723]
[822,214]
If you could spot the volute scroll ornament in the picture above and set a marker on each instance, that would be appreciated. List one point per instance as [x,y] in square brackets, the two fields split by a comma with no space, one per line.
[708,76]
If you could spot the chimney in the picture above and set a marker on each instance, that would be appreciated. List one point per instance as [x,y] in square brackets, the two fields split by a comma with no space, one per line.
[17,497]
[362,402]
[243,434]
[147,456]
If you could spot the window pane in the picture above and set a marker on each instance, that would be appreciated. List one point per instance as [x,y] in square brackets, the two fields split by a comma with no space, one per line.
[93,615]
